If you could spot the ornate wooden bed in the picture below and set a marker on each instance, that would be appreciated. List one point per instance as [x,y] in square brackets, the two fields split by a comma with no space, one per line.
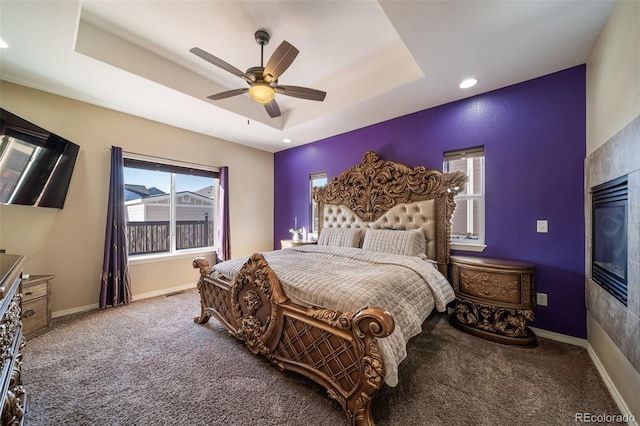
[338,350]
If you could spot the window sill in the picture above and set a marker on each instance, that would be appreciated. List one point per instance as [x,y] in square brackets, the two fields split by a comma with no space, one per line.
[468,247]
[162,257]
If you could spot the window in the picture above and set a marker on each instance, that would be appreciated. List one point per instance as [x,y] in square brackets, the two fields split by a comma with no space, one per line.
[320,180]
[467,229]
[168,207]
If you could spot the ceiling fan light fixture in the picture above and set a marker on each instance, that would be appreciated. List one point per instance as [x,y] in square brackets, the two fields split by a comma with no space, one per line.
[262,92]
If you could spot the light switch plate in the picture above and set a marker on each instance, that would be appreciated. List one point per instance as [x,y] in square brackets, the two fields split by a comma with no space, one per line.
[541,299]
[542,226]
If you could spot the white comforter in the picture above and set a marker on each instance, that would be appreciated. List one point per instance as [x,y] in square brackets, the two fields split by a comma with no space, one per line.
[348,279]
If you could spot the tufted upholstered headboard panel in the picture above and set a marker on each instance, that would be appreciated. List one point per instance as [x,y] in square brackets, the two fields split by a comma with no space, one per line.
[385,194]
[419,214]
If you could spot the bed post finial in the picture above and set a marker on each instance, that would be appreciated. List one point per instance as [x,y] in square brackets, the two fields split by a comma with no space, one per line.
[369,324]
[202,264]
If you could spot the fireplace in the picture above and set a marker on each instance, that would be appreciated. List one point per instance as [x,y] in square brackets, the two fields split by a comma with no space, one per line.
[609,233]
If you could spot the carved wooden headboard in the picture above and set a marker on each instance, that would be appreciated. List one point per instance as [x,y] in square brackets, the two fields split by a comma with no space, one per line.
[385,194]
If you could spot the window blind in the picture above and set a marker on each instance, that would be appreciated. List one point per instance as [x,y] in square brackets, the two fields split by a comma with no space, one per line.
[170,168]
[461,154]
[319,175]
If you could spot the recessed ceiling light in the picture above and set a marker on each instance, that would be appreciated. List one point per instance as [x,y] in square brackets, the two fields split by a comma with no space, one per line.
[3,44]
[469,82]
[286,140]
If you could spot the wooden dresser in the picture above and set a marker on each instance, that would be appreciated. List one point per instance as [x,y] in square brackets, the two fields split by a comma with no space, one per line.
[36,305]
[14,398]
[494,298]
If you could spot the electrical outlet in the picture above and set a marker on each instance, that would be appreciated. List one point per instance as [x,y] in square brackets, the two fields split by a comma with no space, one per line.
[542,226]
[541,299]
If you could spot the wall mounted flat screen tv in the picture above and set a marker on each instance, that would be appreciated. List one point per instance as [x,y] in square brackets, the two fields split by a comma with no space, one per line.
[35,164]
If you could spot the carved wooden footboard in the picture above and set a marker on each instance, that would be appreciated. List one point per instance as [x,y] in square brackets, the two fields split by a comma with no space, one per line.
[338,350]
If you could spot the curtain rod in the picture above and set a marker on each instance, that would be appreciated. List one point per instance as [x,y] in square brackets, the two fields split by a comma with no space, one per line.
[165,159]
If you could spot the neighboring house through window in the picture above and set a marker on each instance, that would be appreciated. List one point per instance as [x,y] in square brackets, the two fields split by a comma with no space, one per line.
[169,207]
[320,180]
[467,229]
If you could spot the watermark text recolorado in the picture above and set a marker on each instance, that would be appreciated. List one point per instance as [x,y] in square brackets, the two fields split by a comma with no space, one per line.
[604,418]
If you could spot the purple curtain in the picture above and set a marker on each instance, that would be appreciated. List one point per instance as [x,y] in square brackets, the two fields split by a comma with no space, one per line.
[224,249]
[115,287]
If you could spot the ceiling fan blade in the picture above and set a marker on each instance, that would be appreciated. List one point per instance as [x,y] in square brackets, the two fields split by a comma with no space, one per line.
[219,63]
[279,61]
[301,92]
[228,94]
[272,108]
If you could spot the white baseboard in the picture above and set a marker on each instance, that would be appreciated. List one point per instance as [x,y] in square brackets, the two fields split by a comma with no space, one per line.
[163,291]
[65,312]
[135,297]
[620,402]
[617,398]
[552,335]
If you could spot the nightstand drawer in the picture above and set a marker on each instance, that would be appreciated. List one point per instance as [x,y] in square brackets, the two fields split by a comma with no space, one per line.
[35,318]
[36,306]
[490,286]
[34,291]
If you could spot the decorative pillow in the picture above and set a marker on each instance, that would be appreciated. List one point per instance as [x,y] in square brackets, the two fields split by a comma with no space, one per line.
[340,237]
[408,243]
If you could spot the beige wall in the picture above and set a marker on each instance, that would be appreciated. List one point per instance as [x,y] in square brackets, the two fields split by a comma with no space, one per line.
[69,242]
[613,75]
[613,100]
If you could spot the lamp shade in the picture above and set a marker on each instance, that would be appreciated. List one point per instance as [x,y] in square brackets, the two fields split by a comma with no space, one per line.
[262,92]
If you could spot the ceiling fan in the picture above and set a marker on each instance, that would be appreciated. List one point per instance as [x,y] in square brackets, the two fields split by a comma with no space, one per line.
[263,81]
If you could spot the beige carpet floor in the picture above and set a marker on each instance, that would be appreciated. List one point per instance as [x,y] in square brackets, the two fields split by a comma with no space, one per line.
[148,364]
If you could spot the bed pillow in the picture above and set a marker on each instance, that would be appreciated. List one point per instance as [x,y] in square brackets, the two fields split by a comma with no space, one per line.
[340,237]
[408,243]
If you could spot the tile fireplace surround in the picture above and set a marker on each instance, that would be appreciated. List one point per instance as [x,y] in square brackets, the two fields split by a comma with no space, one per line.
[618,157]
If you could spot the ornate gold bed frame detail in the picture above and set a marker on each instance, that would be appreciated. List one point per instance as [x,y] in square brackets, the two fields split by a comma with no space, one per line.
[374,186]
[335,349]
[338,350]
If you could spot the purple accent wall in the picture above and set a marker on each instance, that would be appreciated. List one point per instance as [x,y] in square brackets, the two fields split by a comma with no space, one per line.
[534,134]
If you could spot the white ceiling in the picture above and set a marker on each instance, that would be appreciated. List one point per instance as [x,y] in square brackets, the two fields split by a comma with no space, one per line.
[376,60]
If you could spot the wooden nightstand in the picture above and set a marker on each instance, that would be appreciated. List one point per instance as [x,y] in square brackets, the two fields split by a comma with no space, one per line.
[291,243]
[36,306]
[494,298]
